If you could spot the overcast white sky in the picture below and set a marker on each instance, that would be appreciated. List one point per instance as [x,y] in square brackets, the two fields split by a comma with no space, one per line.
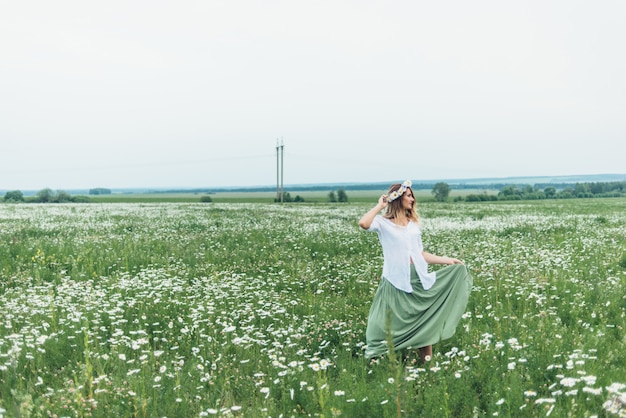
[196,93]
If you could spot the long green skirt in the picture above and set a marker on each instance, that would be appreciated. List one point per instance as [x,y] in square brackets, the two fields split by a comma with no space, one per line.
[421,318]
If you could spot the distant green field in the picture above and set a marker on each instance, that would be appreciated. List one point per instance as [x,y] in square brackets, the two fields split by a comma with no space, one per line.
[266,197]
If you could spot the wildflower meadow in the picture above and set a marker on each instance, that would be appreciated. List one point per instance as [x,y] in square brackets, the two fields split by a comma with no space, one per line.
[259,310]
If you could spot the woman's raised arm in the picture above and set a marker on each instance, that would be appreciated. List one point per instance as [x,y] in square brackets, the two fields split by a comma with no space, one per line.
[366,220]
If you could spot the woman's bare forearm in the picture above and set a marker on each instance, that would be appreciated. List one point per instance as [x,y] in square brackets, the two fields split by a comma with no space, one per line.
[366,220]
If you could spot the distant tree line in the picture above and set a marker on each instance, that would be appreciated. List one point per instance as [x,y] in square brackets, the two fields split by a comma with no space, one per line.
[334,196]
[44,196]
[422,185]
[440,191]
[99,191]
[287,198]
[322,187]
[536,192]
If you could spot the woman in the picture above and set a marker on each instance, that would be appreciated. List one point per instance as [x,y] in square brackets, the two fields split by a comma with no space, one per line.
[413,307]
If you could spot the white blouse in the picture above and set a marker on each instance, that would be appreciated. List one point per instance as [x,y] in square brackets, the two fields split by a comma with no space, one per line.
[401,244]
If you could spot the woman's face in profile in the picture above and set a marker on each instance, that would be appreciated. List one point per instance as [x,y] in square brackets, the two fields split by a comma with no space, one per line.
[408,199]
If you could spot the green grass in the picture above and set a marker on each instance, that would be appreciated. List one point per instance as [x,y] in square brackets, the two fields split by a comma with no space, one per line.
[253,309]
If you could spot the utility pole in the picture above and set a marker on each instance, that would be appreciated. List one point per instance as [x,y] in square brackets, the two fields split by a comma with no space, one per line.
[277,173]
[280,188]
[282,171]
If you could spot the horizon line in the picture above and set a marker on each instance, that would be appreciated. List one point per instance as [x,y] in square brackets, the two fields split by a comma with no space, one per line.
[487,180]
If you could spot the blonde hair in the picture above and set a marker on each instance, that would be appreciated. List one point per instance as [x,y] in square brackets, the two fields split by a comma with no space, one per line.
[394,208]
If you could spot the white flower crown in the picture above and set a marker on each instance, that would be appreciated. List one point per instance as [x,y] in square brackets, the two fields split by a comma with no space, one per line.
[397,193]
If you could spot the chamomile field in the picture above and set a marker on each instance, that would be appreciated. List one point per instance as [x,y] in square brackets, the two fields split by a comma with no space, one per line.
[186,309]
